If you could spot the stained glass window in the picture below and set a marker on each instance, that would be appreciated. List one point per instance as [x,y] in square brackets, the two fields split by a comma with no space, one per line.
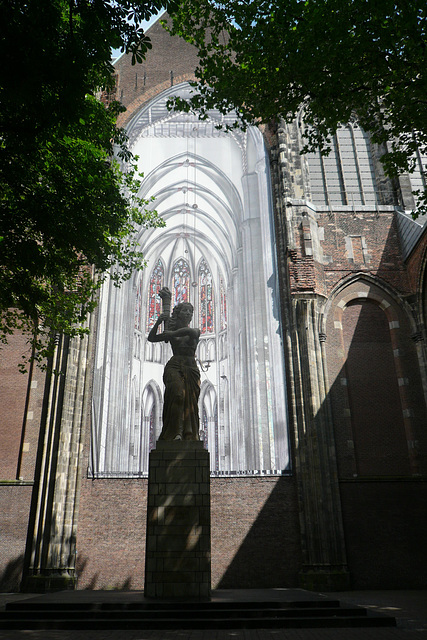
[154,300]
[223,305]
[181,282]
[206,309]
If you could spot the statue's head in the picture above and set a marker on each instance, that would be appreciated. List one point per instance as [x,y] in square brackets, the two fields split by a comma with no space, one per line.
[182,314]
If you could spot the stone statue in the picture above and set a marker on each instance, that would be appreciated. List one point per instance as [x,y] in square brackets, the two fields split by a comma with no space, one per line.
[181,375]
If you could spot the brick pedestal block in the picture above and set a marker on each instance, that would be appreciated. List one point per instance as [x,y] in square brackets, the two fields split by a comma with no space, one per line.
[177,561]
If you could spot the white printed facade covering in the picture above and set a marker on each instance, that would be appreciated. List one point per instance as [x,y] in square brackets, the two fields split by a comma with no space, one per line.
[217,251]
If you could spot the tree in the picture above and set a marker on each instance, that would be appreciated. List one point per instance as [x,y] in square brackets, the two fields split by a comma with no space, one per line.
[67,209]
[331,58]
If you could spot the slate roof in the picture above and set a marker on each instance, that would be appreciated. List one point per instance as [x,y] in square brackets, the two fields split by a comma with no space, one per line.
[410,230]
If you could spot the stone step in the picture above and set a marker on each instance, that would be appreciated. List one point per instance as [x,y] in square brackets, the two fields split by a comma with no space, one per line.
[238,615]
[40,605]
[197,614]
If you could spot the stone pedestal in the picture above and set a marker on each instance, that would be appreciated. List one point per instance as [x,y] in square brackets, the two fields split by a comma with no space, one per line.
[177,561]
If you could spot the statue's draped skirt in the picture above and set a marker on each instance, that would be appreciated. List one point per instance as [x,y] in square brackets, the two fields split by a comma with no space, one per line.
[182,389]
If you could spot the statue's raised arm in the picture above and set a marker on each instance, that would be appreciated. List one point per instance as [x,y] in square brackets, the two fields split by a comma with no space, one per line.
[166,297]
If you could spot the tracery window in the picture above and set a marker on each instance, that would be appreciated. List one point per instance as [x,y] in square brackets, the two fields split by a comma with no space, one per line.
[181,281]
[346,175]
[206,303]
[223,309]
[154,300]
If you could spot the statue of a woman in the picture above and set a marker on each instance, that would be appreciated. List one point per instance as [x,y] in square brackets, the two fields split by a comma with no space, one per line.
[181,375]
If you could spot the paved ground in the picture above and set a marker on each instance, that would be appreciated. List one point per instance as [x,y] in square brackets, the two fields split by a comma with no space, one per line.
[409,608]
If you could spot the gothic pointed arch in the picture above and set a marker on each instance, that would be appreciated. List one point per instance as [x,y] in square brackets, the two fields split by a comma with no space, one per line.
[151,410]
[374,380]
[370,286]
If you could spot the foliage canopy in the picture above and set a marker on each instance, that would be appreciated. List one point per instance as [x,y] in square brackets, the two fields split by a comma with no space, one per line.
[331,58]
[67,210]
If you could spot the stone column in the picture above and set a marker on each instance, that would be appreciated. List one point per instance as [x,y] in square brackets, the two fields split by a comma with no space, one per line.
[178,563]
[50,557]
[304,293]
[324,554]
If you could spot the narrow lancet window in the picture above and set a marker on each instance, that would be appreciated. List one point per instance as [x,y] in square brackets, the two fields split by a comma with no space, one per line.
[181,281]
[154,301]
[206,308]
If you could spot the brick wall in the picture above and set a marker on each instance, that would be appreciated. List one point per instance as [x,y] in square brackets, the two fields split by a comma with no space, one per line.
[169,62]
[17,458]
[13,390]
[14,459]
[14,507]
[111,534]
[376,412]
[364,243]
[255,533]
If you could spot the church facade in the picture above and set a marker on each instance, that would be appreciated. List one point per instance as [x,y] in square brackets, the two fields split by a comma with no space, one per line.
[307,275]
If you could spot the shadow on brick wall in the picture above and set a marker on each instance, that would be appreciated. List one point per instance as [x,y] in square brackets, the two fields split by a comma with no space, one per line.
[10,578]
[270,554]
[380,439]
[97,581]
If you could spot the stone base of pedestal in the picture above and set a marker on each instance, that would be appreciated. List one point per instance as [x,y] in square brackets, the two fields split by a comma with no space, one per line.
[177,560]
